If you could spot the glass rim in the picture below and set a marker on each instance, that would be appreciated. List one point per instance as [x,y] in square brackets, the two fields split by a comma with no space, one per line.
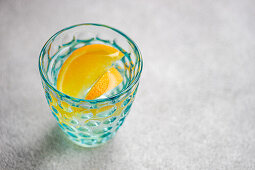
[136,79]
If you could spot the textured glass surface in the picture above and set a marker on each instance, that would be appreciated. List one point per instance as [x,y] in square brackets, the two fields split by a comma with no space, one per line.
[90,123]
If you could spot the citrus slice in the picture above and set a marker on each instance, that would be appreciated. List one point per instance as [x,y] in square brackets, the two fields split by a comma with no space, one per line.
[84,67]
[111,79]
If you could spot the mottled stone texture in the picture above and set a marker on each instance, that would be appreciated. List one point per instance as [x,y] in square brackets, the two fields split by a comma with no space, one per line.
[195,105]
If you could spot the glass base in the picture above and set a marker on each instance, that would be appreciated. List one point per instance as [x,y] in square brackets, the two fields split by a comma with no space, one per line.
[91,143]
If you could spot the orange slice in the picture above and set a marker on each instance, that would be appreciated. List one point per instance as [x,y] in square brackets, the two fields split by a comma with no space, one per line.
[84,67]
[111,79]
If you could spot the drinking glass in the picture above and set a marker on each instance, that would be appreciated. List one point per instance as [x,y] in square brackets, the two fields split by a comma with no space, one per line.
[90,123]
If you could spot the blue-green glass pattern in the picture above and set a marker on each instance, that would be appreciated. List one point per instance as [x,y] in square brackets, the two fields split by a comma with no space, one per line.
[90,123]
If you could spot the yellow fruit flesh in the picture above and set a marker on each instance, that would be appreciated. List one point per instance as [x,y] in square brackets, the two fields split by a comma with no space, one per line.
[85,66]
[111,79]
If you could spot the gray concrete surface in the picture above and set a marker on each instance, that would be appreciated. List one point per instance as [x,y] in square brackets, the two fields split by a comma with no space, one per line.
[195,106]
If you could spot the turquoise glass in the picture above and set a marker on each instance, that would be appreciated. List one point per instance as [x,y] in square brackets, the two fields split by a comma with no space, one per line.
[90,123]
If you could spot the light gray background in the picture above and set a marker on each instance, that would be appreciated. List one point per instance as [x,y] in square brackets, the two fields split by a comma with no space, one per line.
[195,105]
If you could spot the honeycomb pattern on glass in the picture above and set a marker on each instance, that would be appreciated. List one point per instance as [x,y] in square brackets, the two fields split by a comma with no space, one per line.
[87,126]
[90,123]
